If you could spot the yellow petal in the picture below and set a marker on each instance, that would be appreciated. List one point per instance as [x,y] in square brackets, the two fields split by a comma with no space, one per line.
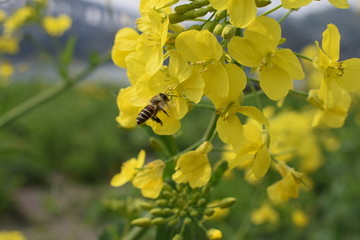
[331,42]
[125,42]
[293,4]
[198,46]
[286,59]
[230,130]
[242,12]
[275,82]
[253,113]
[262,162]
[237,81]
[349,80]
[245,52]
[216,80]
[340,3]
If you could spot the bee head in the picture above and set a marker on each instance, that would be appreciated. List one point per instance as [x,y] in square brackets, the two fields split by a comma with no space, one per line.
[164,96]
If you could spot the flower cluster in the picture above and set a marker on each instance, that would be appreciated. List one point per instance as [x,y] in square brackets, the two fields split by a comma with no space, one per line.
[172,68]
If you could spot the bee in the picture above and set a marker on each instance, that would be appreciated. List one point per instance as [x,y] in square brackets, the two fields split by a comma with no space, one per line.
[156,103]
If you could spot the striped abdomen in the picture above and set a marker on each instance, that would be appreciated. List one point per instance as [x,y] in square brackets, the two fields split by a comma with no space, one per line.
[148,112]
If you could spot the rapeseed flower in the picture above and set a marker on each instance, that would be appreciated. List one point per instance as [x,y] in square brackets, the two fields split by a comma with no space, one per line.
[193,167]
[264,214]
[258,49]
[150,179]
[56,26]
[125,43]
[214,234]
[337,75]
[292,4]
[128,170]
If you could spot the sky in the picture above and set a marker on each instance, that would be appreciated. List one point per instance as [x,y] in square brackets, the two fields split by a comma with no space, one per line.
[132,5]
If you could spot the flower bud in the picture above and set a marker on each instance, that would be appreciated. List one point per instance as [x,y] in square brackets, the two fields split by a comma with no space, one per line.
[156,144]
[187,221]
[177,237]
[220,15]
[174,221]
[209,212]
[200,3]
[141,222]
[262,3]
[209,25]
[146,205]
[201,12]
[227,202]
[156,211]
[214,234]
[194,213]
[167,211]
[219,28]
[184,8]
[176,18]
[189,15]
[158,221]
[228,31]
[162,202]
[201,202]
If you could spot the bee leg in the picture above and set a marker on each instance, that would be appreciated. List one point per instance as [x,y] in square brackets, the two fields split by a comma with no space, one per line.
[164,112]
[156,119]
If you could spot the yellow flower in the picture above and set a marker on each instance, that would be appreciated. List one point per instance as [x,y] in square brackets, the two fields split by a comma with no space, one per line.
[125,43]
[17,19]
[150,179]
[214,234]
[337,75]
[299,218]
[241,12]
[150,43]
[56,26]
[219,214]
[11,235]
[254,152]
[287,187]
[332,116]
[202,49]
[193,167]
[264,214]
[128,170]
[9,44]
[6,69]
[258,49]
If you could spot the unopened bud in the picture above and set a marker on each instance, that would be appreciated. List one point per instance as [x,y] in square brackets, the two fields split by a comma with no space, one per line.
[201,12]
[220,14]
[228,31]
[156,211]
[173,221]
[200,3]
[214,234]
[209,212]
[158,221]
[162,202]
[195,27]
[209,25]
[189,15]
[219,28]
[262,3]
[227,202]
[156,144]
[194,213]
[201,202]
[210,8]
[176,18]
[147,205]
[141,222]
[187,221]
[177,237]
[184,8]
[167,211]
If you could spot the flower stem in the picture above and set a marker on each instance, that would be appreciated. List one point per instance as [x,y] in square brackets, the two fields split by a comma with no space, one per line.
[271,10]
[285,16]
[255,94]
[303,57]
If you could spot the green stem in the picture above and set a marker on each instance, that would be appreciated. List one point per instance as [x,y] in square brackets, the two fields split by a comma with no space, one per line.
[47,95]
[271,10]
[135,233]
[285,16]
[303,57]
[211,130]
